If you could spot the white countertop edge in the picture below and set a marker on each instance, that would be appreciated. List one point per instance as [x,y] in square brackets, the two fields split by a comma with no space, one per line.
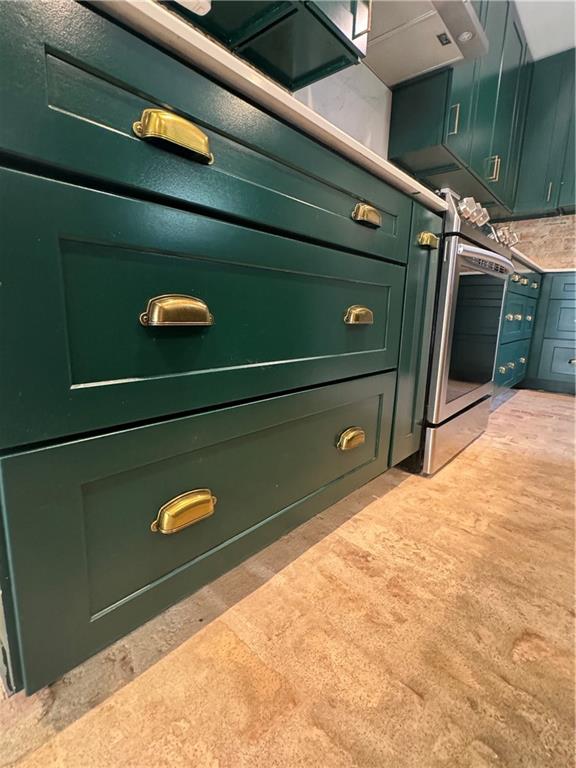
[157,23]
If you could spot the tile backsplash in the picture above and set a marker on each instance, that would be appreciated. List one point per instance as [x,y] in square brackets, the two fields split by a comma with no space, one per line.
[551,242]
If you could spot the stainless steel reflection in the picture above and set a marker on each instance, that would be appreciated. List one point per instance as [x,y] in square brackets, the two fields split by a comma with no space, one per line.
[440,406]
[445,442]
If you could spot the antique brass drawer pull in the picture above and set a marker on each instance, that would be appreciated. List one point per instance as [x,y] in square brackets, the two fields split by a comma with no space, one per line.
[518,317]
[515,277]
[509,316]
[367,214]
[523,360]
[176,309]
[529,318]
[572,361]
[512,365]
[351,438]
[358,315]
[534,285]
[524,281]
[501,369]
[428,240]
[159,125]
[184,510]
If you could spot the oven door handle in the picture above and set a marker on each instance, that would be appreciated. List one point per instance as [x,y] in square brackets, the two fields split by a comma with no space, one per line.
[474,253]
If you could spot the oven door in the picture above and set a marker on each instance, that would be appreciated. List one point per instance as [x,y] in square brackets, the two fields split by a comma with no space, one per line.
[470,304]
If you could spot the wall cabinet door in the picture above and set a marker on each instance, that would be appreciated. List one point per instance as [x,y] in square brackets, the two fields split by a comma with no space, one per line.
[547,137]
[488,77]
[504,147]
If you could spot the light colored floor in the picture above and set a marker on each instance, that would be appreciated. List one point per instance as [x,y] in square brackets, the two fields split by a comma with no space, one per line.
[418,623]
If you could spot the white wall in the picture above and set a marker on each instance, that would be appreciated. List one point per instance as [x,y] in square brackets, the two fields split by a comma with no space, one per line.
[356,101]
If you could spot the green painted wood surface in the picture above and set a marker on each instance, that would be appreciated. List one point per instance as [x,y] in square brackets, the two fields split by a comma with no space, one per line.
[554,337]
[448,127]
[81,360]
[85,567]
[417,318]
[78,82]
[511,354]
[548,139]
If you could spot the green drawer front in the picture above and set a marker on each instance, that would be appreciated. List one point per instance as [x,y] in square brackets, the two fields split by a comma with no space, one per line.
[561,319]
[558,361]
[86,567]
[564,286]
[80,358]
[513,318]
[525,283]
[74,83]
[511,363]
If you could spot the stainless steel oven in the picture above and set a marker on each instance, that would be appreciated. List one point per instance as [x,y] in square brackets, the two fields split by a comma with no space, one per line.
[473,279]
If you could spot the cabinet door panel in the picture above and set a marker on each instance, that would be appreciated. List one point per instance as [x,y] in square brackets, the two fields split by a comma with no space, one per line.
[558,361]
[503,146]
[488,74]
[561,319]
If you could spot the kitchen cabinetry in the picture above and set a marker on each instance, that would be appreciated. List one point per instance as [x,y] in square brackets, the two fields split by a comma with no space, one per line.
[546,177]
[295,43]
[461,127]
[218,311]
[552,365]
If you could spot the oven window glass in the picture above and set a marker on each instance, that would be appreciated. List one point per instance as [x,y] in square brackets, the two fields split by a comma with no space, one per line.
[475,336]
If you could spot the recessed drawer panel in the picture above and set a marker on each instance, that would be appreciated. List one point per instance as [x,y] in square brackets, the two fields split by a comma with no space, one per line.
[78,87]
[558,360]
[89,560]
[563,286]
[95,294]
[561,319]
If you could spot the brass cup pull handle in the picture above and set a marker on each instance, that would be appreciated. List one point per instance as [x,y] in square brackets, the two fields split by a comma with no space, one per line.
[515,277]
[529,318]
[534,285]
[572,361]
[158,125]
[428,240]
[367,215]
[511,365]
[351,438]
[184,510]
[518,317]
[501,369]
[524,281]
[523,360]
[176,309]
[358,315]
[509,316]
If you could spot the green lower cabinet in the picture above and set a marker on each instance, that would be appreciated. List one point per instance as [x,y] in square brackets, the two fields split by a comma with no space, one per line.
[87,566]
[91,351]
[511,363]
[552,364]
[417,318]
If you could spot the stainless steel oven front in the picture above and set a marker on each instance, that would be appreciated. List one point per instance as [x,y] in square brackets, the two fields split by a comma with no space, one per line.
[473,281]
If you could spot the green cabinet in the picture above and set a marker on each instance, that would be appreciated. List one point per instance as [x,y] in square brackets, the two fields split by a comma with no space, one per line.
[295,43]
[552,364]
[417,318]
[511,363]
[85,565]
[461,127]
[81,357]
[546,177]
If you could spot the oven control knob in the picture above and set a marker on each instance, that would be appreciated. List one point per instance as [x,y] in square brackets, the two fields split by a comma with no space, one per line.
[483,218]
[466,206]
[476,214]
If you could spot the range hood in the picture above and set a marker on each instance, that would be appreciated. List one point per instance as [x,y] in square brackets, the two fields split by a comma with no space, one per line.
[410,38]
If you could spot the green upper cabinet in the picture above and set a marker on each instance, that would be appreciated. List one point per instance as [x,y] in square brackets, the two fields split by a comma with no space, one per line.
[295,43]
[546,179]
[461,126]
